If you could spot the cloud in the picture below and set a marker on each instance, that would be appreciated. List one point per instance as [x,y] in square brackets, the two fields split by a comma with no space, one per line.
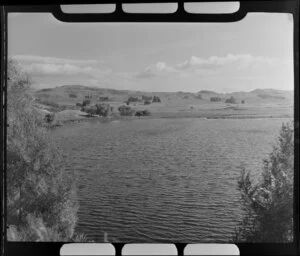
[52,60]
[38,65]
[215,62]
[207,66]
[159,68]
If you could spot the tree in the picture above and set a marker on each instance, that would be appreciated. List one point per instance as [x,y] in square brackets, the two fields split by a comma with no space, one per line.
[86,102]
[72,95]
[268,204]
[41,204]
[98,109]
[215,99]
[231,100]
[142,113]
[156,99]
[126,111]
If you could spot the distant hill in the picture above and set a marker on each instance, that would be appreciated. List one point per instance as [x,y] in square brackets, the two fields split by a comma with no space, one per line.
[72,94]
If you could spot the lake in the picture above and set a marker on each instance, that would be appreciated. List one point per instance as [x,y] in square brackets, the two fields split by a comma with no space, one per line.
[163,180]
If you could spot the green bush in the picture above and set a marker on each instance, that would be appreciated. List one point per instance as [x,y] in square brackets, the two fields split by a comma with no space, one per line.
[41,204]
[146,98]
[231,100]
[215,99]
[156,99]
[98,109]
[133,99]
[86,102]
[126,111]
[268,204]
[49,118]
[142,113]
[72,95]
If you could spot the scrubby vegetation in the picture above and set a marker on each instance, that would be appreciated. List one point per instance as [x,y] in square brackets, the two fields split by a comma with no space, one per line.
[231,100]
[147,98]
[86,102]
[268,204]
[49,118]
[41,196]
[126,111]
[72,95]
[142,113]
[103,98]
[133,99]
[103,109]
[215,99]
[156,99]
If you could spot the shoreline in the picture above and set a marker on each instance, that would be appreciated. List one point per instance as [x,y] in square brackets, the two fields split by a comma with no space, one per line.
[62,123]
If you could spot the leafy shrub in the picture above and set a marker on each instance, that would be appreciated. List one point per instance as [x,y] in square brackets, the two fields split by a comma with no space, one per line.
[103,98]
[72,95]
[78,104]
[147,98]
[133,99]
[215,99]
[41,203]
[243,102]
[268,204]
[98,109]
[142,113]
[86,102]
[231,100]
[156,99]
[49,118]
[126,111]
[147,102]
[103,109]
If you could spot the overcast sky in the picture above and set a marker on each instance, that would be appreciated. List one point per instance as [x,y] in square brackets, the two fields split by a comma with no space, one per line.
[241,56]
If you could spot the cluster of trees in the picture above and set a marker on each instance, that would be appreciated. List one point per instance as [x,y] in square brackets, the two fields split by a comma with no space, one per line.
[231,100]
[84,103]
[126,111]
[268,204]
[142,113]
[104,98]
[156,99]
[103,109]
[147,98]
[215,99]
[133,99]
[72,95]
[41,196]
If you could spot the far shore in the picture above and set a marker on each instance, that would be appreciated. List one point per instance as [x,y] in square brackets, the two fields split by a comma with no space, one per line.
[86,118]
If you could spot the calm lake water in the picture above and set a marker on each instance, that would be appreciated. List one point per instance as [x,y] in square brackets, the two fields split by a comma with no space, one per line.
[163,180]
